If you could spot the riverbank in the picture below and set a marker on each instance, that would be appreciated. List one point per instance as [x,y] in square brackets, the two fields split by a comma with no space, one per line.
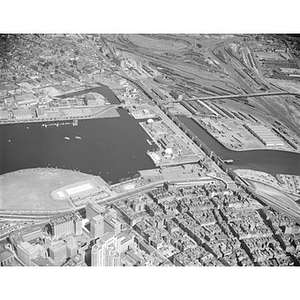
[93,113]
[243,147]
[113,148]
[270,161]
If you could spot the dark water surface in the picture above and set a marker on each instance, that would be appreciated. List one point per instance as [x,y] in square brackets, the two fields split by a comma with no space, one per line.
[115,148]
[270,161]
[102,89]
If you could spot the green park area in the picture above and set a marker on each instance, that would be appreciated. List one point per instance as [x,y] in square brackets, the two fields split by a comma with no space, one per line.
[29,190]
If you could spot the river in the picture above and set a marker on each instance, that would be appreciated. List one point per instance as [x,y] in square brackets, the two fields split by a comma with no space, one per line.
[114,148]
[270,161]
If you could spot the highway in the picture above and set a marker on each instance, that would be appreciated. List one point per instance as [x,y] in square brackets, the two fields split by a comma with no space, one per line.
[149,187]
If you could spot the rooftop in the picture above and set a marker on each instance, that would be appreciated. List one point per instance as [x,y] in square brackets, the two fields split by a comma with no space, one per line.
[58,245]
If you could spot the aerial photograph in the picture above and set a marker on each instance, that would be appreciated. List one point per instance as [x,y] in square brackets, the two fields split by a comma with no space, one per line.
[149,150]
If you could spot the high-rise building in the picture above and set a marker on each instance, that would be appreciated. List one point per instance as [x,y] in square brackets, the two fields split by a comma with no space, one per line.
[98,254]
[105,252]
[62,226]
[112,257]
[66,225]
[97,226]
[58,252]
[72,246]
[77,224]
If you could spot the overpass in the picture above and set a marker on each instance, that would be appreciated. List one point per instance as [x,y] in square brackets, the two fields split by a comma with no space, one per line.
[237,96]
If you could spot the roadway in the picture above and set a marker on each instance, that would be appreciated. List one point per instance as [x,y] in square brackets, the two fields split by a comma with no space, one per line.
[150,186]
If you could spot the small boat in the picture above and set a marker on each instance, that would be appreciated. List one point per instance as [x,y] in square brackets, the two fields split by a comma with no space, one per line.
[9,141]
[78,137]
[66,138]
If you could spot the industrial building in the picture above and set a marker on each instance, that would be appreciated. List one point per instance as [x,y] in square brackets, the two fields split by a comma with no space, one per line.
[264,134]
[22,114]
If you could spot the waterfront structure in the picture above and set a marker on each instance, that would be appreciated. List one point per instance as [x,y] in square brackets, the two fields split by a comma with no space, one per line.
[4,114]
[22,114]
[27,103]
[265,135]
[168,153]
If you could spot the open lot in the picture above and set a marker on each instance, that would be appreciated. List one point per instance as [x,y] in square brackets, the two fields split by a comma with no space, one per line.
[29,189]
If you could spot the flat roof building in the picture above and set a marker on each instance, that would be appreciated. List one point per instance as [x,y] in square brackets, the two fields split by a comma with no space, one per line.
[6,257]
[66,225]
[264,134]
[58,252]
[97,226]
[22,114]
[26,252]
[72,246]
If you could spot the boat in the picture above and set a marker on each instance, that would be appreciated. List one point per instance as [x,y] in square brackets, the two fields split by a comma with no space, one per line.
[66,138]
[228,161]
[78,137]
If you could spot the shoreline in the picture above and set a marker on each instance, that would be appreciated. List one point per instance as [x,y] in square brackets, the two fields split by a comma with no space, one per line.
[240,150]
[97,115]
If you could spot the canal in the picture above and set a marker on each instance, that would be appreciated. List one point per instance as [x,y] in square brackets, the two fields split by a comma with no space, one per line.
[270,161]
[102,89]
